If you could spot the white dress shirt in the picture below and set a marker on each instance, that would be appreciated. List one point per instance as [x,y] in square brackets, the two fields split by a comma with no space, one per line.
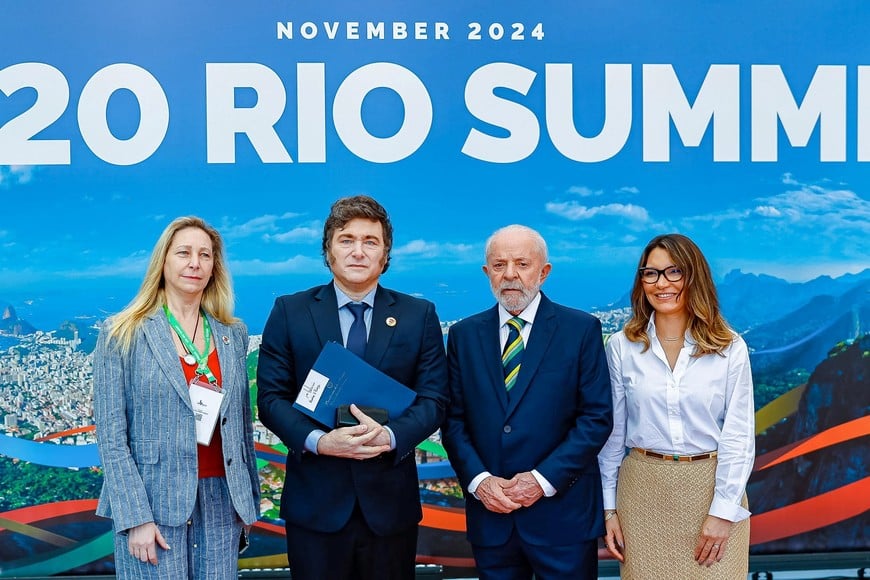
[704,404]
[528,316]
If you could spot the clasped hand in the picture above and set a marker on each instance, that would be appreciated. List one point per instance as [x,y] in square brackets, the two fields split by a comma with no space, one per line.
[364,441]
[503,496]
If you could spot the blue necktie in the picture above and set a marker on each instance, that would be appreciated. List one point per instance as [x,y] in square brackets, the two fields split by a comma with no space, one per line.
[513,352]
[357,335]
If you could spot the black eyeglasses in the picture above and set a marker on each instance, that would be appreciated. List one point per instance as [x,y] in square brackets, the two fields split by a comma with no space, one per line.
[651,275]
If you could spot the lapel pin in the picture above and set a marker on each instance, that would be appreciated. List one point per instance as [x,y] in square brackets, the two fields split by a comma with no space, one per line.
[391,321]
[226,339]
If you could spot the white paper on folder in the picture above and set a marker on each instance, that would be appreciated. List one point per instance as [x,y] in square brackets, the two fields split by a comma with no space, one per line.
[312,389]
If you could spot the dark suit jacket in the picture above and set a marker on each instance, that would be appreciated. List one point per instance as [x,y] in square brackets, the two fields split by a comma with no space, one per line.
[319,491]
[556,419]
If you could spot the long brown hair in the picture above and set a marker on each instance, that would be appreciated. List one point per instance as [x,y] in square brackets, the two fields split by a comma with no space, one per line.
[217,298]
[706,324]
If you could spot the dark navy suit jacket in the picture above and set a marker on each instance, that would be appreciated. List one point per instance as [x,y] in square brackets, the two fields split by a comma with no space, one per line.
[320,491]
[556,419]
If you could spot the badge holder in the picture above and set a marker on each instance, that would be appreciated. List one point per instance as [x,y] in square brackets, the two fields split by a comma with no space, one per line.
[206,399]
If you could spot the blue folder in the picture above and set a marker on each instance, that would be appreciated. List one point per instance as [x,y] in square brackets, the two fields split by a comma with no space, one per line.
[339,377]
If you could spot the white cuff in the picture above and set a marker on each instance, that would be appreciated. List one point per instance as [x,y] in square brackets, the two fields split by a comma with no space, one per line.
[728,511]
[312,440]
[472,487]
[549,490]
[392,438]
[609,499]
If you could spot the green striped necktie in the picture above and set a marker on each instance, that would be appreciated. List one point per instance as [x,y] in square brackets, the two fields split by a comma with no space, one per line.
[513,352]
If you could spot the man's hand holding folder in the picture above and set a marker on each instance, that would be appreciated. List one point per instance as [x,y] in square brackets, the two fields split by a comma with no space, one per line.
[340,378]
[366,440]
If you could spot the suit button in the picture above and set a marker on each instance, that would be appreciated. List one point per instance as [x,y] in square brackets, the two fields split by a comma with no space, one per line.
[507,428]
[230,461]
[224,422]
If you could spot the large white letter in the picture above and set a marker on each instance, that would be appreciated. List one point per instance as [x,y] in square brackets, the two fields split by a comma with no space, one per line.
[153,114]
[347,112]
[311,112]
[520,123]
[864,113]
[824,102]
[560,113]
[17,146]
[664,99]
[285,30]
[224,120]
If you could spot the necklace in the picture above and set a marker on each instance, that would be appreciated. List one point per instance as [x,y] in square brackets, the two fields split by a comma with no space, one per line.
[671,338]
[189,358]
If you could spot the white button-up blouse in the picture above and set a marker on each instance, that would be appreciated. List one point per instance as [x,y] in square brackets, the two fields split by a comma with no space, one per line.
[704,404]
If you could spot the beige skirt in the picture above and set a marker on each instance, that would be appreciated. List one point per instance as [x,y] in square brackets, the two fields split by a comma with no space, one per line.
[662,505]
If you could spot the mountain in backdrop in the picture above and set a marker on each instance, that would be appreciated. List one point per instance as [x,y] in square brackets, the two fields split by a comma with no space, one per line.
[801,338]
[10,324]
[836,393]
[751,300]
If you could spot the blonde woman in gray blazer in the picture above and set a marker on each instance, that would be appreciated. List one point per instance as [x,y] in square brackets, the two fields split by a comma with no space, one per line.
[178,507]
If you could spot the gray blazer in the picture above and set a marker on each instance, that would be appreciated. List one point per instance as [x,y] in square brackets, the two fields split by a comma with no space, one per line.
[146,433]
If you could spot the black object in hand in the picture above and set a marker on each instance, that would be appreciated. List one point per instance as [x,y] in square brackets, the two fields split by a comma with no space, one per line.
[344,418]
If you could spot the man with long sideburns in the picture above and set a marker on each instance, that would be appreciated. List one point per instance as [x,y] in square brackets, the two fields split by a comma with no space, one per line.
[351,498]
[530,409]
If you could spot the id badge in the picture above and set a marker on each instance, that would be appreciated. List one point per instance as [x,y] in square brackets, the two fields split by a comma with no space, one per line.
[206,400]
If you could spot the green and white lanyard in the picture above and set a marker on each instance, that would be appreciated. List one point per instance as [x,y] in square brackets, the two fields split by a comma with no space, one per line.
[201,358]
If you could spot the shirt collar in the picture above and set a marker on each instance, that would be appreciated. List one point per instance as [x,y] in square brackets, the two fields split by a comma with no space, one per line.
[528,315]
[343,299]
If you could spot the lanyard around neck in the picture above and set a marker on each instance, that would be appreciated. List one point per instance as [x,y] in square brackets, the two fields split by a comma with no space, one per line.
[201,357]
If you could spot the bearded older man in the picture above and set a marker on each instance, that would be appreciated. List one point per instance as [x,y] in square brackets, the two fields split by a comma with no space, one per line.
[530,409]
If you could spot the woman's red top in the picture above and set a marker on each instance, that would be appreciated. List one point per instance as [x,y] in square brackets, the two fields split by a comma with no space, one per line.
[210,460]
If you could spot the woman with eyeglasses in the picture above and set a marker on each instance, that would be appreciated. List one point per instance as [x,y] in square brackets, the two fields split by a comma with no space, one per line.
[675,505]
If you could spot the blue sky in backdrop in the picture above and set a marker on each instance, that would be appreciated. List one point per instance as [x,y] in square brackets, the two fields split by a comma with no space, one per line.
[75,238]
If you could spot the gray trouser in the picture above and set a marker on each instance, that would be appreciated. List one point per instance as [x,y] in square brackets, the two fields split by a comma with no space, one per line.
[204,548]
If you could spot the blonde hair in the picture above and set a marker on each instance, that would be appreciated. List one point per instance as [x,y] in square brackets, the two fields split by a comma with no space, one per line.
[217,298]
[706,324]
